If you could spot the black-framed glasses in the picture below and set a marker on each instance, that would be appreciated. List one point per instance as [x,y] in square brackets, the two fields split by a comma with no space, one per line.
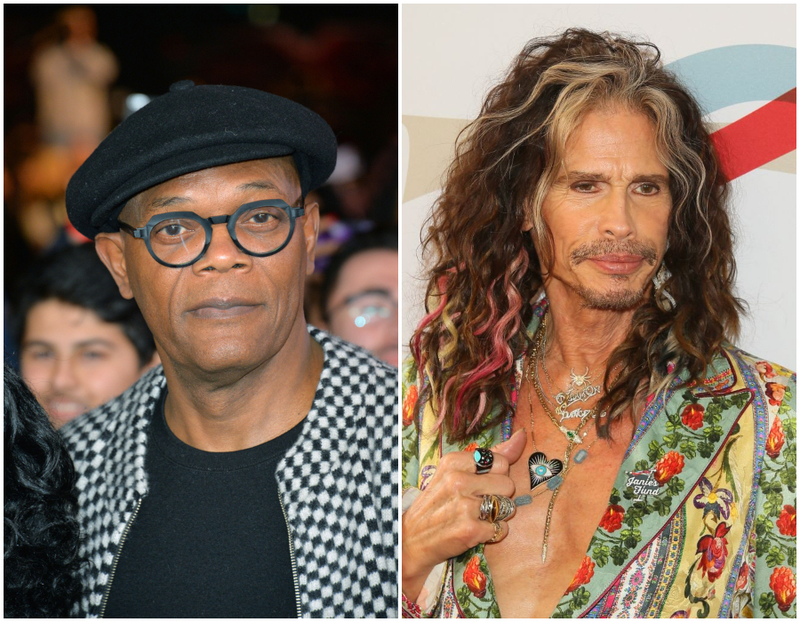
[179,239]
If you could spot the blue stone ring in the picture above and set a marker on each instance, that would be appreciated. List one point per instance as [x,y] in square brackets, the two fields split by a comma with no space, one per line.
[484,458]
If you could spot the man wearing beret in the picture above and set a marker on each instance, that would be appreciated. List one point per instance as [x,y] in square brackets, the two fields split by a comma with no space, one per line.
[253,475]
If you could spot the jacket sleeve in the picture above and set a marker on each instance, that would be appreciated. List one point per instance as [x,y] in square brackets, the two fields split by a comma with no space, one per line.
[774,560]
[412,419]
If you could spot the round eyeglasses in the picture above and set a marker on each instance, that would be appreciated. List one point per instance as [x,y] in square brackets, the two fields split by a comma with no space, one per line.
[179,239]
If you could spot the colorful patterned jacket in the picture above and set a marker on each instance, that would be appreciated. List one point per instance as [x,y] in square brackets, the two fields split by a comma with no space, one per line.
[338,486]
[701,519]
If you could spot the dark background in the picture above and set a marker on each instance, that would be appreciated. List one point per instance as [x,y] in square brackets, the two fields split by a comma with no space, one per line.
[339,60]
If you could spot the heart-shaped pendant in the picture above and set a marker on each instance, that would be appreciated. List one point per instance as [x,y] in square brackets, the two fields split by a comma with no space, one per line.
[542,469]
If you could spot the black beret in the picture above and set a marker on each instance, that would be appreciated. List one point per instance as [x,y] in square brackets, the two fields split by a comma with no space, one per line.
[189,129]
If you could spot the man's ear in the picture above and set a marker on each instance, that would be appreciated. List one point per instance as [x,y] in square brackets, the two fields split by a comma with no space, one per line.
[310,233]
[110,249]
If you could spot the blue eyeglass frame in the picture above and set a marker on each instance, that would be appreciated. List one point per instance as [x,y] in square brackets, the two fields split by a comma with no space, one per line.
[143,233]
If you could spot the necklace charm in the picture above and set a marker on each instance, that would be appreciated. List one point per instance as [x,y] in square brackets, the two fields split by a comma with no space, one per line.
[577,380]
[581,413]
[573,436]
[541,469]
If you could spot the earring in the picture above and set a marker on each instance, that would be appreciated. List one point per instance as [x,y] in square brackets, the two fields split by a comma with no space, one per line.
[663,298]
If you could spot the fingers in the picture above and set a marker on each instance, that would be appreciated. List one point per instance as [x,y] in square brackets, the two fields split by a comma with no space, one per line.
[494,485]
[497,532]
[464,461]
[511,449]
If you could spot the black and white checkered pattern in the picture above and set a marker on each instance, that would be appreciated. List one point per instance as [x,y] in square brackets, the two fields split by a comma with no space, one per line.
[338,484]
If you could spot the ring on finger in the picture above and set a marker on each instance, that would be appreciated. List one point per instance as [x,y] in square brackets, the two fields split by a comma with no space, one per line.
[495,508]
[487,508]
[498,529]
[484,458]
[505,509]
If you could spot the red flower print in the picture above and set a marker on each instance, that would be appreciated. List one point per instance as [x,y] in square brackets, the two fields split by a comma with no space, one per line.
[583,576]
[787,521]
[775,439]
[612,519]
[692,416]
[471,447]
[670,464]
[474,579]
[408,405]
[743,578]
[775,393]
[784,586]
[765,370]
[714,552]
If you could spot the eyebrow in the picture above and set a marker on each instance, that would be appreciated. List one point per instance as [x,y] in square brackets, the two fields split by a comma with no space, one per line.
[573,176]
[167,202]
[162,202]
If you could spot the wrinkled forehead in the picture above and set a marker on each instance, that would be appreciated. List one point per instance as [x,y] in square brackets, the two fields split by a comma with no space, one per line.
[273,174]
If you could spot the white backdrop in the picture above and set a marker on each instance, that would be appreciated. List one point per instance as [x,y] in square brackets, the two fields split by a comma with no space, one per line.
[453,54]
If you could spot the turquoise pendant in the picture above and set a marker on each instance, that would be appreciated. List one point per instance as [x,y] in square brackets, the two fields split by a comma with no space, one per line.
[580,456]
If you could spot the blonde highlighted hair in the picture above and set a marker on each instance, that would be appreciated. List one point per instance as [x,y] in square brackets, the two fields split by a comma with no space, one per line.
[485,269]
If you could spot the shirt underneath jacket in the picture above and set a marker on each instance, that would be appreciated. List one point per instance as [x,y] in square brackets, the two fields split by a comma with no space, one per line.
[337,483]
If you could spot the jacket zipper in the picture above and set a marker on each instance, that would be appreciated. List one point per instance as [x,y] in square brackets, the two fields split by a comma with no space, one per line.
[291,555]
[116,558]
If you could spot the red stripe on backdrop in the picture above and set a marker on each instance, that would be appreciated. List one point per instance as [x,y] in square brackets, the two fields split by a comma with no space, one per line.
[759,137]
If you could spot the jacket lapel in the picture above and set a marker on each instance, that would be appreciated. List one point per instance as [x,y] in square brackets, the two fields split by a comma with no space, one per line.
[676,441]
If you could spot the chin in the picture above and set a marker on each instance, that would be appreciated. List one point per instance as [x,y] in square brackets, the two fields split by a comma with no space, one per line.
[613,300]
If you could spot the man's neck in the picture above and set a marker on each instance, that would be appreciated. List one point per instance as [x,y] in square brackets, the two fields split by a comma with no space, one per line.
[246,407]
[580,337]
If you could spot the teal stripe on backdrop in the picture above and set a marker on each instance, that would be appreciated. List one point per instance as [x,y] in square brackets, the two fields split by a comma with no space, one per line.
[738,73]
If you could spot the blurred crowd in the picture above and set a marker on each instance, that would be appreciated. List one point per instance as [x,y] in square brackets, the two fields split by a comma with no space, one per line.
[73,72]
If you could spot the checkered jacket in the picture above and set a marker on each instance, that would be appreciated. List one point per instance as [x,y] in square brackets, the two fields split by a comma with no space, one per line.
[338,485]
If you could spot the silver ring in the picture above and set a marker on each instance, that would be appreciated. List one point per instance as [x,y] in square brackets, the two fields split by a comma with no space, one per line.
[506,508]
[484,458]
[487,508]
[496,508]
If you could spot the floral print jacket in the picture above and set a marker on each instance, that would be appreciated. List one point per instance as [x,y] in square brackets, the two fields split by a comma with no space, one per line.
[702,517]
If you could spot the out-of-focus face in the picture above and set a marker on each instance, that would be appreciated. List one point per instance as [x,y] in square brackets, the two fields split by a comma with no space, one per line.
[229,312]
[608,211]
[362,307]
[73,360]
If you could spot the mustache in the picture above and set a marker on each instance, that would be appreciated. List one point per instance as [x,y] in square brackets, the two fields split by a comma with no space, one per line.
[598,248]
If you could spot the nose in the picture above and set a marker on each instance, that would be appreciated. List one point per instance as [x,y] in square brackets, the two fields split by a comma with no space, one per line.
[222,253]
[64,377]
[616,215]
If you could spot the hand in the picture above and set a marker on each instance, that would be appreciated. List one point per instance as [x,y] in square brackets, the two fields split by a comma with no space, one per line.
[443,521]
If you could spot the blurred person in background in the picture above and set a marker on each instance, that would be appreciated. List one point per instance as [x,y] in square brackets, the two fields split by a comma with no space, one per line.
[81,342]
[71,79]
[41,535]
[359,293]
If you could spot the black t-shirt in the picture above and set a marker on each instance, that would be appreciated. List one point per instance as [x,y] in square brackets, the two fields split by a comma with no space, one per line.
[210,538]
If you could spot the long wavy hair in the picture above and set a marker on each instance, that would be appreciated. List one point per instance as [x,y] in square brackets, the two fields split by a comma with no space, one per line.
[42,535]
[485,269]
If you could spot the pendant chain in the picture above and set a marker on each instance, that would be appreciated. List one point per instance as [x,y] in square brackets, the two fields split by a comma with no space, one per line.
[573,436]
